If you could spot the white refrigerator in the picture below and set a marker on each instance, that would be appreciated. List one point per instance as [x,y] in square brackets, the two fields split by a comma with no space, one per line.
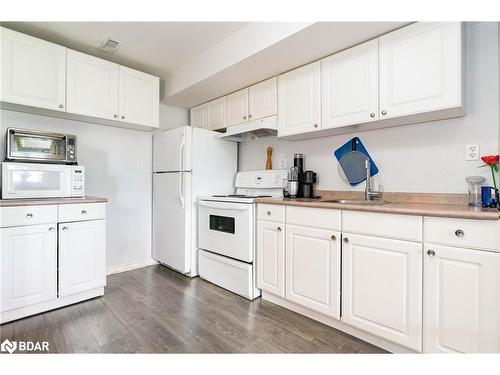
[188,162]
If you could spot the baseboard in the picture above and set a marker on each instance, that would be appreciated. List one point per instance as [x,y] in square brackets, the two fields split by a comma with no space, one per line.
[130,266]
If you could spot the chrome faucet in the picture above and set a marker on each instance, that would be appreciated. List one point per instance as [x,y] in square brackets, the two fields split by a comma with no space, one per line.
[370,194]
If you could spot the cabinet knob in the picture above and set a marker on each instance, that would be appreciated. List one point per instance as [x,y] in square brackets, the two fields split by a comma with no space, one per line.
[316,125]
[372,115]
[115,115]
[61,106]
[459,233]
[245,117]
[84,212]
[346,240]
[29,215]
[249,116]
[123,117]
[65,228]
[333,237]
[431,253]
[279,229]
[383,113]
[268,213]
[51,229]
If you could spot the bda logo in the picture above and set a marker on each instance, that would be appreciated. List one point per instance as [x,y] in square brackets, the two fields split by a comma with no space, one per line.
[8,346]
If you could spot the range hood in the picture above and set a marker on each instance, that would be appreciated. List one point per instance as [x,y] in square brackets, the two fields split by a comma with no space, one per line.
[256,129]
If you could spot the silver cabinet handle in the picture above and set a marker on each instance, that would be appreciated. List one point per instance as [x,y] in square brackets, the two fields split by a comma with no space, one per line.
[316,125]
[372,115]
[333,237]
[459,233]
[384,113]
[115,115]
[65,228]
[245,117]
[346,240]
[249,116]
[61,106]
[29,215]
[431,253]
[123,117]
[84,212]
[51,229]
[279,229]
[268,213]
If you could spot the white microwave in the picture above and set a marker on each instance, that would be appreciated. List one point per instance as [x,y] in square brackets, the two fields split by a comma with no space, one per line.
[33,180]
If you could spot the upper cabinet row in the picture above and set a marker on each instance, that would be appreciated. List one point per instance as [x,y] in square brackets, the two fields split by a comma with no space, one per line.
[40,74]
[251,103]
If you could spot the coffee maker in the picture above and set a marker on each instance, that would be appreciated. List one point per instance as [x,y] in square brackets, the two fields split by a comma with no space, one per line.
[306,179]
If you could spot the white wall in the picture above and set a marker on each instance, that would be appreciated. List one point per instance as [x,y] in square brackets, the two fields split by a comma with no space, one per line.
[426,157]
[173,117]
[118,166]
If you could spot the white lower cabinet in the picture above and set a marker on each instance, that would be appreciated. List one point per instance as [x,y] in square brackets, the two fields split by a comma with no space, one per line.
[82,256]
[28,264]
[313,268]
[462,291]
[271,257]
[382,288]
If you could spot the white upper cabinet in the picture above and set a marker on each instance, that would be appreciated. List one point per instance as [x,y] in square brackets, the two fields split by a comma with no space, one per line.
[421,69]
[263,99]
[217,114]
[92,86]
[139,97]
[299,100]
[462,294]
[199,116]
[350,86]
[33,71]
[237,107]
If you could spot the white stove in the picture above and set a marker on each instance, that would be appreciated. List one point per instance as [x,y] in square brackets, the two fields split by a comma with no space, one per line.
[227,231]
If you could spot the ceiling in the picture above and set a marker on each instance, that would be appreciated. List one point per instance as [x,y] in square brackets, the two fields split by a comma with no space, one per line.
[152,47]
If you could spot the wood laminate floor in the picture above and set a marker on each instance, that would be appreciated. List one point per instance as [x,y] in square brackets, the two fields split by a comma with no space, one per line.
[156,310]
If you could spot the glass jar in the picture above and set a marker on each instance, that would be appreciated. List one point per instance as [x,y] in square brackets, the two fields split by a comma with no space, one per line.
[474,189]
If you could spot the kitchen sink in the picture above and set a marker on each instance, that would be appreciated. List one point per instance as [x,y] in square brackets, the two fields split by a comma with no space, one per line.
[356,201]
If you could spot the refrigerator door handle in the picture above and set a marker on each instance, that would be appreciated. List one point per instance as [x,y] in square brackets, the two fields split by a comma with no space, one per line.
[181,198]
[181,156]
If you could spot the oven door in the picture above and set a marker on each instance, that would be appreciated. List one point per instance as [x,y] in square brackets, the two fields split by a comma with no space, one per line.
[28,180]
[227,228]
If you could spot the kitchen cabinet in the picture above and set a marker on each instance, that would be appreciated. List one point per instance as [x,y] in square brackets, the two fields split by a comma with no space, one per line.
[199,116]
[299,100]
[350,86]
[216,110]
[313,268]
[382,287]
[139,97]
[28,265]
[421,69]
[92,86]
[271,257]
[33,71]
[82,253]
[237,107]
[263,99]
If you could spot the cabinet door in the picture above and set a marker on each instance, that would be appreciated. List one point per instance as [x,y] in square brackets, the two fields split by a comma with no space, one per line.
[313,268]
[139,97]
[33,71]
[350,86]
[198,116]
[263,99]
[421,68]
[92,86]
[461,300]
[237,107]
[28,264]
[271,257]
[299,103]
[217,114]
[382,288]
[82,256]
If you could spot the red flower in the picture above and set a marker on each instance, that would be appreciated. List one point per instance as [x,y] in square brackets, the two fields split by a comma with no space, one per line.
[491,159]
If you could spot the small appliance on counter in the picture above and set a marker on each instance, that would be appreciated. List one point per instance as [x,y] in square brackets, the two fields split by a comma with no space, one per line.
[300,182]
[489,196]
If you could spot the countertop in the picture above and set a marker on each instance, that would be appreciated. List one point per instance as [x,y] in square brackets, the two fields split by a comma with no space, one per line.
[420,209]
[49,201]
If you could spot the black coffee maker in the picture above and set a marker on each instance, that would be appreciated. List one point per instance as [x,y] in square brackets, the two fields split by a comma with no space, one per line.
[306,179]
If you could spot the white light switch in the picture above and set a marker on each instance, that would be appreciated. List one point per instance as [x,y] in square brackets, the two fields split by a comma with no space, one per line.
[282,164]
[472,152]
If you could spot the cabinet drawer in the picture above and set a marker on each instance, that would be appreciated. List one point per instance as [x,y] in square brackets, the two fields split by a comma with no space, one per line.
[271,212]
[324,218]
[80,212]
[478,234]
[403,227]
[27,215]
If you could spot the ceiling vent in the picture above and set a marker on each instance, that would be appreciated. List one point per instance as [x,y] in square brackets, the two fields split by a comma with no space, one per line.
[108,46]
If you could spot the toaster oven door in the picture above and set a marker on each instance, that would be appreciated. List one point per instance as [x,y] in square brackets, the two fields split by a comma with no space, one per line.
[36,146]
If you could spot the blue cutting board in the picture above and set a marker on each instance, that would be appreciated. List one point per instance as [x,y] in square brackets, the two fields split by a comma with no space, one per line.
[345,148]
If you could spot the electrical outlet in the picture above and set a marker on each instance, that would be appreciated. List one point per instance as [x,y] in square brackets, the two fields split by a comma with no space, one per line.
[472,152]
[140,166]
[282,164]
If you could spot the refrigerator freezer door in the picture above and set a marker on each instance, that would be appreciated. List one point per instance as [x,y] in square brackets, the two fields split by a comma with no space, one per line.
[172,150]
[172,220]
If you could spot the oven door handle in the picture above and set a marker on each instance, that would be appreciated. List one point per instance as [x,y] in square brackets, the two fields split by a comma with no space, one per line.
[224,206]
